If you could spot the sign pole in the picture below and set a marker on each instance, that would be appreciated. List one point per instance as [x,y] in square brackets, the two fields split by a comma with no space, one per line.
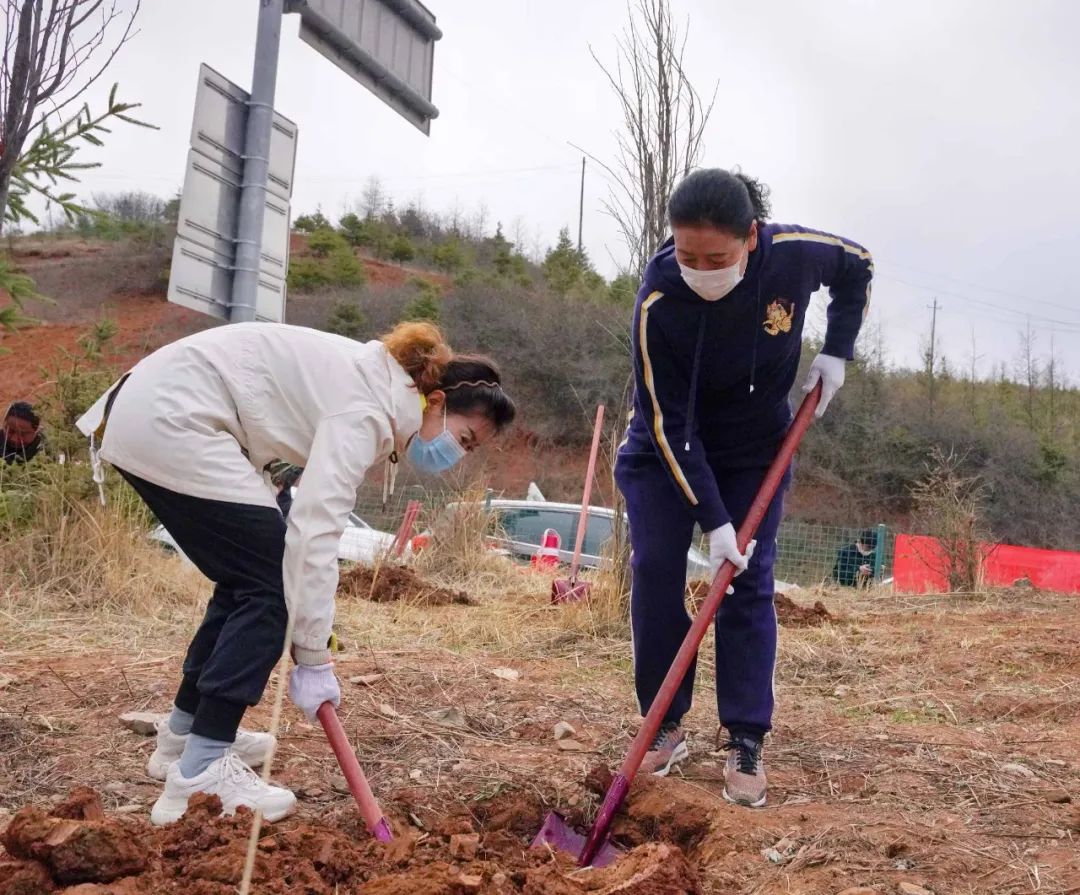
[260,121]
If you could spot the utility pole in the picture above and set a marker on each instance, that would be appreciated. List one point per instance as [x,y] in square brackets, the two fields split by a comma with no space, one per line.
[931,354]
[260,124]
[581,209]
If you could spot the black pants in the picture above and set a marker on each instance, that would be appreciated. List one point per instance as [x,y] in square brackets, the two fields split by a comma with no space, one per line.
[240,548]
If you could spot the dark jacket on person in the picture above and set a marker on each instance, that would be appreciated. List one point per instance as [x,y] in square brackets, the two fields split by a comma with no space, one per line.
[284,501]
[848,561]
[712,378]
[20,454]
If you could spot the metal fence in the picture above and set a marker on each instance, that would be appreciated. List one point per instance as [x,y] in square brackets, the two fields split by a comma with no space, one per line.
[806,552]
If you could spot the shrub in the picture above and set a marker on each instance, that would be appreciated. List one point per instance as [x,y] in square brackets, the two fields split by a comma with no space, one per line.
[402,249]
[323,242]
[450,256]
[306,274]
[309,223]
[344,268]
[424,307]
[346,319]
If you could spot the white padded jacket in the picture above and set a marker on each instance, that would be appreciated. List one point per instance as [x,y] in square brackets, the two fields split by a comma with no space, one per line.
[204,415]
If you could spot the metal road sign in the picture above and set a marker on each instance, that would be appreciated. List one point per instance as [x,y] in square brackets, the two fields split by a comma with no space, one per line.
[217,130]
[204,254]
[232,244]
[386,45]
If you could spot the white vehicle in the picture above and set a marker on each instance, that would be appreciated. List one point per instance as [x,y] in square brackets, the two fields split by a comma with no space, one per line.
[518,527]
[359,542]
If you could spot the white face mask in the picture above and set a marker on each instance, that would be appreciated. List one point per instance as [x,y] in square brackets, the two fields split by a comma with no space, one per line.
[712,285]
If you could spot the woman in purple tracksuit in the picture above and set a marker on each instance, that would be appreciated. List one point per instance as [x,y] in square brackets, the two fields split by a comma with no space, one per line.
[717,334]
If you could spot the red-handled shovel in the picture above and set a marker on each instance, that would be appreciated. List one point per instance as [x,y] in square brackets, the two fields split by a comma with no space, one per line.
[569,590]
[596,848]
[354,776]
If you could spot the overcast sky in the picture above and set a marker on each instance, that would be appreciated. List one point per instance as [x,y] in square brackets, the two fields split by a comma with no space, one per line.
[941,134]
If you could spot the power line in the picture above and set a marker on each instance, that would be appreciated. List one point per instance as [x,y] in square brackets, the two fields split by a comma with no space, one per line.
[991,318]
[1067,325]
[981,288]
[449,175]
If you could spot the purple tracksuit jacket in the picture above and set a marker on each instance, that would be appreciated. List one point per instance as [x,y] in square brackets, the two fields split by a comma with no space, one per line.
[710,409]
[712,378]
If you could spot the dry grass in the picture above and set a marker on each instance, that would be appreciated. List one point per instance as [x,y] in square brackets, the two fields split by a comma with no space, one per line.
[457,555]
[83,561]
[517,612]
[893,726]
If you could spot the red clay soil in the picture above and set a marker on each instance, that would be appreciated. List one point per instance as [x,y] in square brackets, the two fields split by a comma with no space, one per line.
[144,324]
[392,584]
[203,854]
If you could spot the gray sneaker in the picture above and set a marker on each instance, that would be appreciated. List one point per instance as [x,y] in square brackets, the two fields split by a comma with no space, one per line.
[668,749]
[744,772]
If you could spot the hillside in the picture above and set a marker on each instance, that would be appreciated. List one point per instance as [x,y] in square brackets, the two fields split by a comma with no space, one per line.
[560,334]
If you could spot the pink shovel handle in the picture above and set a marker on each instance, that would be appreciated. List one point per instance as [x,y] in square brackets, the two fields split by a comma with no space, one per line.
[583,519]
[679,665]
[354,776]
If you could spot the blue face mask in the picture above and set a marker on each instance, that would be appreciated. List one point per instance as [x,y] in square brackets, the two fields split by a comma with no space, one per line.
[438,455]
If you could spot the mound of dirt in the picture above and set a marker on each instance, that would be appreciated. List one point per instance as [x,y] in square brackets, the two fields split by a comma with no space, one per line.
[392,584]
[657,809]
[790,613]
[87,849]
[203,854]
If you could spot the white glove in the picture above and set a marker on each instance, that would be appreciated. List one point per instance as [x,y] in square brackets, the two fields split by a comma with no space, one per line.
[830,370]
[723,546]
[312,685]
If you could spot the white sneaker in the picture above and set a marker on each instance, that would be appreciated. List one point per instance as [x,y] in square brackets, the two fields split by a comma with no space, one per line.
[251,747]
[230,780]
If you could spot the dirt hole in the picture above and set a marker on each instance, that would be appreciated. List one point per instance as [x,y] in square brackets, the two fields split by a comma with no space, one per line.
[388,583]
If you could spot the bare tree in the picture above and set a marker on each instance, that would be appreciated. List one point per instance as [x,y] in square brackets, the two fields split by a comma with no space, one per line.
[950,507]
[480,220]
[1052,384]
[455,218]
[930,360]
[54,50]
[520,236]
[373,199]
[972,377]
[1028,369]
[133,206]
[664,121]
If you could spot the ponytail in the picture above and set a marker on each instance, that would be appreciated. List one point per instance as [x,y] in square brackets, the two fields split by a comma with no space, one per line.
[422,351]
[759,195]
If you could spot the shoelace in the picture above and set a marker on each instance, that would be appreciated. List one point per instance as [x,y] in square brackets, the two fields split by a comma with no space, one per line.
[235,771]
[661,736]
[747,754]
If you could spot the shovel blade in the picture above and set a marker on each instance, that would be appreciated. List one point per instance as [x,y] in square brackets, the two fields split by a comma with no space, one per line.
[563,590]
[557,833]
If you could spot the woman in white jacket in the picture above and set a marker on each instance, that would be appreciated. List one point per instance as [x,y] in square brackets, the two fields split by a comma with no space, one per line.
[192,426]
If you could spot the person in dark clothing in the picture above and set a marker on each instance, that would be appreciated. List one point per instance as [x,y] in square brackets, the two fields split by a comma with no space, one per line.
[21,438]
[284,477]
[855,563]
[717,335]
